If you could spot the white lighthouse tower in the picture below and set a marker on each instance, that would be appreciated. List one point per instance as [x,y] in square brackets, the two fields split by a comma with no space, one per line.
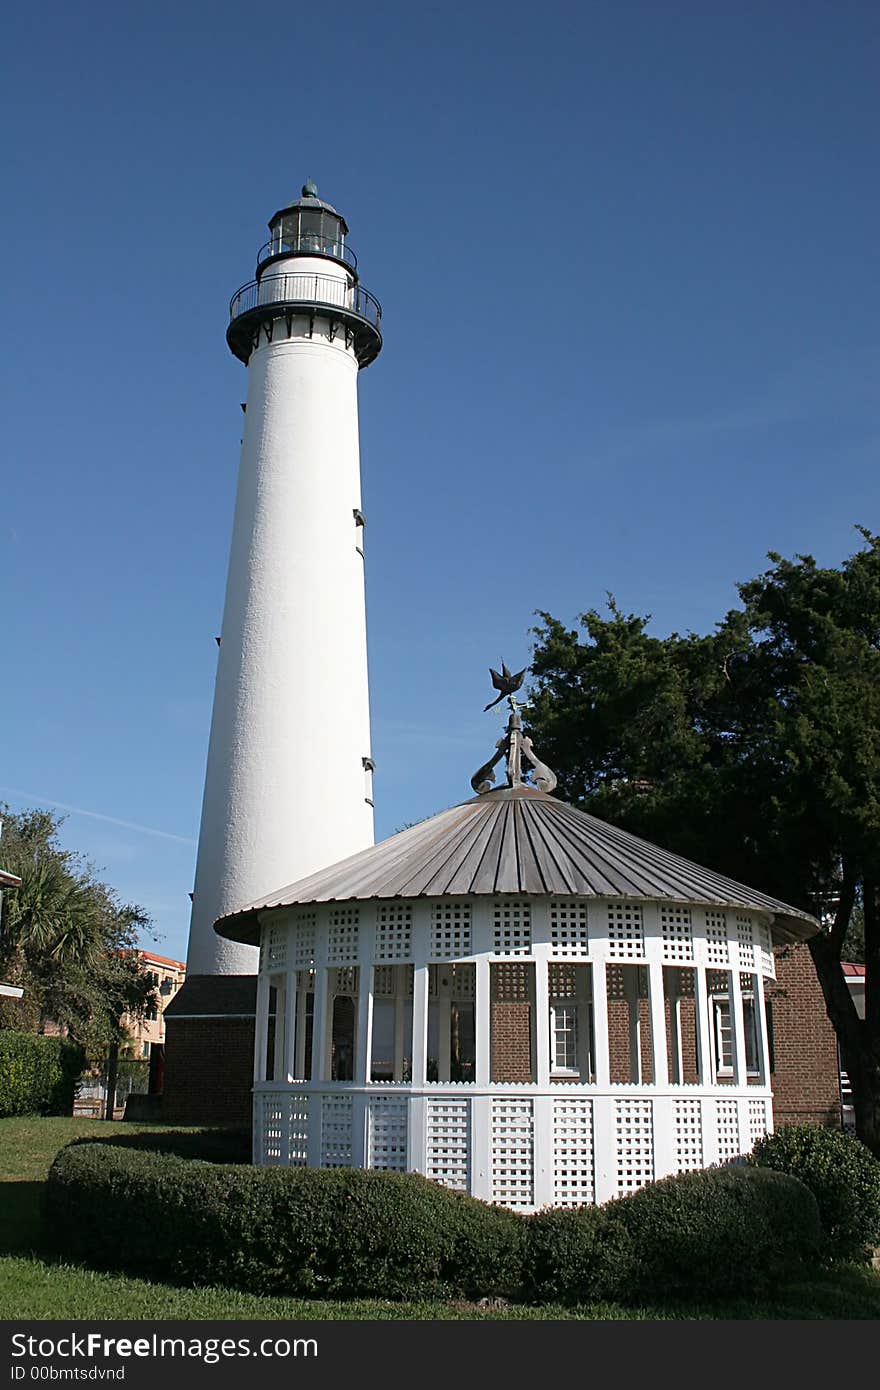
[288,788]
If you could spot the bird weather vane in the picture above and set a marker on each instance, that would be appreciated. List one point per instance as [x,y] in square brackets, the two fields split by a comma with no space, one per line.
[507,683]
[515,745]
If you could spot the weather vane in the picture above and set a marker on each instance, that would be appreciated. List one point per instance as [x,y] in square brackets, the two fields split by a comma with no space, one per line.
[514,746]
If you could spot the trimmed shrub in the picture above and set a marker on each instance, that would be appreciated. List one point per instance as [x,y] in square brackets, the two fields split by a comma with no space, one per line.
[842,1174]
[38,1075]
[212,1145]
[297,1231]
[721,1231]
[575,1255]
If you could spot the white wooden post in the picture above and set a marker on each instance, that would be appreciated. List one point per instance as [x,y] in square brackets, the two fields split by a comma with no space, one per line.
[761,1025]
[542,1150]
[704,1038]
[604,1149]
[601,1064]
[421,992]
[364,1021]
[301,1008]
[658,1023]
[319,1024]
[481,1146]
[278,1040]
[541,1040]
[482,1020]
[420,1025]
[288,1072]
[261,1031]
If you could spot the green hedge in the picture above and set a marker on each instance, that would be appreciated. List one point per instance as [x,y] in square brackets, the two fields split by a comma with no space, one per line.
[38,1075]
[337,1233]
[842,1174]
[719,1232]
[349,1233]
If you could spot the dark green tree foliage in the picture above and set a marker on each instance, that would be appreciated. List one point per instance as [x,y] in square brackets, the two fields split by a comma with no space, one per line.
[754,750]
[67,939]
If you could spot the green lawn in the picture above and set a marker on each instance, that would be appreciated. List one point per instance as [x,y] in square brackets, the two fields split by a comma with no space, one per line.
[34,1286]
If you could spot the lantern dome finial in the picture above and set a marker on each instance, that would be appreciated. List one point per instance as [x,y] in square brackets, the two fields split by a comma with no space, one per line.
[310,189]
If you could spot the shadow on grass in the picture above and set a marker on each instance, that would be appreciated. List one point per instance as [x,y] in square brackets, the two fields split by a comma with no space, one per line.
[21,1223]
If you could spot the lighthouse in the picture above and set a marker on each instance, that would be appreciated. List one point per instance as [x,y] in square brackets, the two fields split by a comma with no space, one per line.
[288,786]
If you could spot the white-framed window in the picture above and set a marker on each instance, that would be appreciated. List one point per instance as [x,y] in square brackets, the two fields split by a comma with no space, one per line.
[722,1035]
[564,1037]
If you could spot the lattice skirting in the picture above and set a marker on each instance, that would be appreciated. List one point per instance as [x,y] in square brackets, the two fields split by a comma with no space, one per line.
[523,1151]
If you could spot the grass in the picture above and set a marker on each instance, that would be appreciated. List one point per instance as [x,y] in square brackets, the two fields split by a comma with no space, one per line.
[33,1285]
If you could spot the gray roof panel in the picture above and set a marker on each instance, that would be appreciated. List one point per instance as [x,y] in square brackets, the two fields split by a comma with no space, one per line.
[516,840]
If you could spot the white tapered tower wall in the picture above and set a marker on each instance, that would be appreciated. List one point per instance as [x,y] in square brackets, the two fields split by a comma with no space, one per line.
[286,791]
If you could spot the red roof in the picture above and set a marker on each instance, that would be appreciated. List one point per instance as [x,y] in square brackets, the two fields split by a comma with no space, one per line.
[162,960]
[850,968]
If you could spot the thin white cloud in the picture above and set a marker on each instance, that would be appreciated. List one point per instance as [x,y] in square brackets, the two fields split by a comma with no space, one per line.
[36,800]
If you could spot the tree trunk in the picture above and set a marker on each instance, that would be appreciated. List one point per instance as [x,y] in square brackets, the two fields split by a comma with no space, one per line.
[112,1077]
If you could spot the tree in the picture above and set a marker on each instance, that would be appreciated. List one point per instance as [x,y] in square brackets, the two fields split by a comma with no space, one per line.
[754,749]
[68,939]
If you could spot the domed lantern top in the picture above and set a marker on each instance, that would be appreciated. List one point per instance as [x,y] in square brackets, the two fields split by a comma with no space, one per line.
[308,227]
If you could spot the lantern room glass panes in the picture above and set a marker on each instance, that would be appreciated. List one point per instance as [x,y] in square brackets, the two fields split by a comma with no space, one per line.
[308,229]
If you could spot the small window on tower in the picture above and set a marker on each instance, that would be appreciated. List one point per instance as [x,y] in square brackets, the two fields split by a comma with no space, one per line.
[369,768]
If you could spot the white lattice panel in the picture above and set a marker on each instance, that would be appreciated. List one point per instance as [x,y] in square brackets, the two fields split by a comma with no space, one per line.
[451,933]
[336,1131]
[634,1132]
[562,981]
[763,945]
[448,1149]
[675,927]
[727,1130]
[285,1129]
[464,982]
[626,935]
[344,980]
[512,928]
[512,1153]
[757,1118]
[271,1122]
[394,932]
[303,939]
[572,1152]
[688,1136]
[569,932]
[342,936]
[383,980]
[274,952]
[388,1133]
[716,938]
[745,941]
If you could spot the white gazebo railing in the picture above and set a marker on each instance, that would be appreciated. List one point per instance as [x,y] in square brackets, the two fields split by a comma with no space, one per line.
[513,1145]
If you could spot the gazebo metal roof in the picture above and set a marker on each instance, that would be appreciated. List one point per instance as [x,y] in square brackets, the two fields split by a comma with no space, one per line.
[517,840]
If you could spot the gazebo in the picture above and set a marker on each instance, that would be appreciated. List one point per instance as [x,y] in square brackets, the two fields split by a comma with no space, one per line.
[516,1000]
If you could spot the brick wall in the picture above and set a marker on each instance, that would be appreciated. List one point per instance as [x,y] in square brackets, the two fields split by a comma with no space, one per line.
[805,1078]
[209,1071]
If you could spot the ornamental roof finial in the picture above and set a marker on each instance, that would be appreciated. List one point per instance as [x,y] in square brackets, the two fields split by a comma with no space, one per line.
[310,189]
[514,746]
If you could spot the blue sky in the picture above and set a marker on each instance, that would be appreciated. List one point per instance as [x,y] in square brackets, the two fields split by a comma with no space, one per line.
[626,254]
